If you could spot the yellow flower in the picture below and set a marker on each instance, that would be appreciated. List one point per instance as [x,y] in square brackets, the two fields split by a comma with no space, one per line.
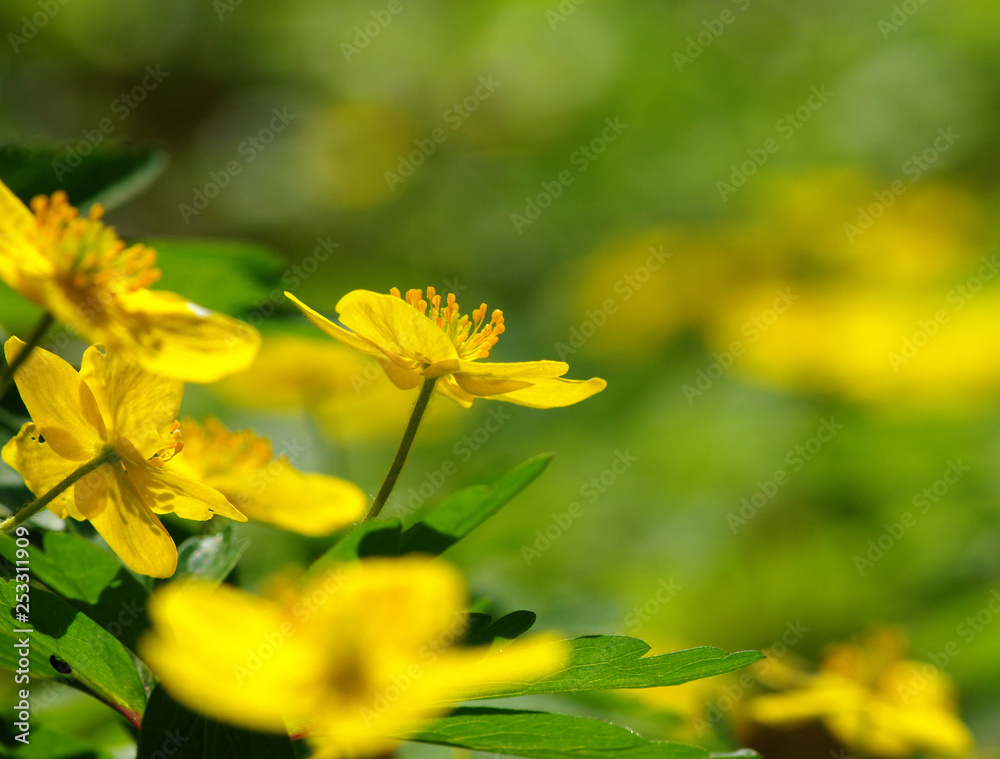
[418,339]
[357,659]
[111,404]
[346,392]
[241,466]
[81,273]
[871,699]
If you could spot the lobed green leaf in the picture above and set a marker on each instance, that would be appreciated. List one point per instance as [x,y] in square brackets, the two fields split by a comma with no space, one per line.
[544,735]
[601,662]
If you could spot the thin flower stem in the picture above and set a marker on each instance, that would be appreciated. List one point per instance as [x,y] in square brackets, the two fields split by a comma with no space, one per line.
[37,333]
[426,390]
[108,456]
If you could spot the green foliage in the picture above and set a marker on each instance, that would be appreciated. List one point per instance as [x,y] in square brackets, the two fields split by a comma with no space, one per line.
[99,662]
[543,735]
[615,661]
[457,515]
[169,729]
[108,175]
[91,580]
[484,630]
[223,275]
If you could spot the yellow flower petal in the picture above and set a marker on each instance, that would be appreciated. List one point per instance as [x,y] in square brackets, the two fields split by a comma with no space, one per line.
[226,653]
[448,386]
[401,331]
[171,336]
[42,469]
[554,393]
[529,371]
[373,595]
[466,672]
[60,403]
[335,331]
[167,492]
[20,261]
[135,403]
[133,531]
[310,504]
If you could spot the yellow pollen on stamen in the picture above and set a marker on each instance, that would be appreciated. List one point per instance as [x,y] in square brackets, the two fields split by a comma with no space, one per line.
[474,338]
[86,253]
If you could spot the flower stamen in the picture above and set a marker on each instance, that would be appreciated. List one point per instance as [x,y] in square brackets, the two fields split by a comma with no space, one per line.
[473,338]
[85,253]
[175,444]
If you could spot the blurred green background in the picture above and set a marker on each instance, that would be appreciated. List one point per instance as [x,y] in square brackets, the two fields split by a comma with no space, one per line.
[751,217]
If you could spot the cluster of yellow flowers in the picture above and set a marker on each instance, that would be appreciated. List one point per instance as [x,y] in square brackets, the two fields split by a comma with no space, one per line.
[104,445]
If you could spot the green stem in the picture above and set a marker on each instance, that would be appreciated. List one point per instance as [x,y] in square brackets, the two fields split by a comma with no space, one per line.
[108,456]
[426,390]
[37,333]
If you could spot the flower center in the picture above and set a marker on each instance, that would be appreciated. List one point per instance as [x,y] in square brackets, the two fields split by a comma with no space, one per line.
[472,336]
[175,444]
[86,254]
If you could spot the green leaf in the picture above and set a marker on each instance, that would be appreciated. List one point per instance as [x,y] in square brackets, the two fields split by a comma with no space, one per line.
[543,735]
[456,516]
[91,580]
[169,729]
[599,662]
[108,175]
[484,630]
[210,557]
[223,275]
[99,662]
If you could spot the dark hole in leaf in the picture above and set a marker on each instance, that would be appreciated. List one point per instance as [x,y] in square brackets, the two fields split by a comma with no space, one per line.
[59,665]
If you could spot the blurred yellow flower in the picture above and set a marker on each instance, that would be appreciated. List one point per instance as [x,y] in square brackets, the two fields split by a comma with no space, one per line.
[870,699]
[357,659]
[82,274]
[112,408]
[241,466]
[872,345]
[418,339]
[346,392]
